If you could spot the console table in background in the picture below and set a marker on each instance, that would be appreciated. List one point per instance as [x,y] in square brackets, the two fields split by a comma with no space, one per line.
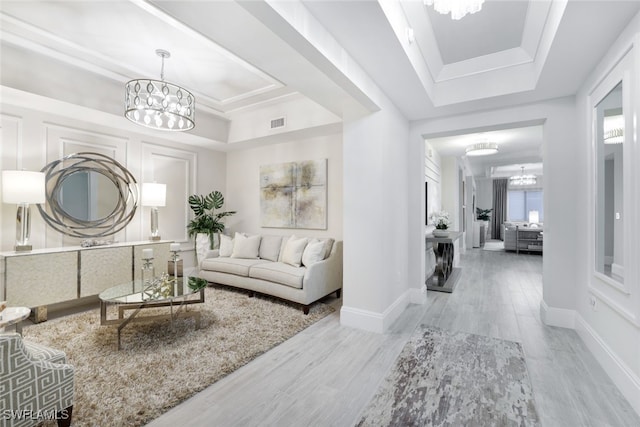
[41,277]
[446,275]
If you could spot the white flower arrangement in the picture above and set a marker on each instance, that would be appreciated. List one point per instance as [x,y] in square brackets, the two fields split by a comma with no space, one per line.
[441,220]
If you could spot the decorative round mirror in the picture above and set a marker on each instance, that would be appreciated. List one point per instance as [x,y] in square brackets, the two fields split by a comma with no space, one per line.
[89,195]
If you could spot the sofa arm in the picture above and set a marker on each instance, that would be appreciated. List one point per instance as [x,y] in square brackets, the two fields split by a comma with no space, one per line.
[325,276]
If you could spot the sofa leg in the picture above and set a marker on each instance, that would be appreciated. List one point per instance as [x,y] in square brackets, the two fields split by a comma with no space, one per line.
[64,417]
[305,309]
[338,293]
[251,294]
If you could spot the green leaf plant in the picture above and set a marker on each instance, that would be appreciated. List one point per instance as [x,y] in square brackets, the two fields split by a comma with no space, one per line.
[206,219]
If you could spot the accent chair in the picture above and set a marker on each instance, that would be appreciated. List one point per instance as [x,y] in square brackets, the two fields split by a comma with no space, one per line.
[32,387]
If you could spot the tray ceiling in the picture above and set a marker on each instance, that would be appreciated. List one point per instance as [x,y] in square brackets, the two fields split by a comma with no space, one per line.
[118,39]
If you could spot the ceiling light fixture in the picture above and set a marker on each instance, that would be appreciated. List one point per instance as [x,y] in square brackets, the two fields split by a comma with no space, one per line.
[457,8]
[522,179]
[482,149]
[157,104]
[614,129]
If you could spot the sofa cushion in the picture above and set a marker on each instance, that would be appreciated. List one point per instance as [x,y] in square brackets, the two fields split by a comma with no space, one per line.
[328,245]
[237,266]
[279,272]
[226,246]
[293,250]
[314,252]
[270,247]
[245,246]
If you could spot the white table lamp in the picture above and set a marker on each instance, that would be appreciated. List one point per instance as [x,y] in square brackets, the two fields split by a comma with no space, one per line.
[155,196]
[23,188]
[534,218]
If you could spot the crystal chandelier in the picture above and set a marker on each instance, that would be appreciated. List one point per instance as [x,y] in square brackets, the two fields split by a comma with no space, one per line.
[522,179]
[457,8]
[157,104]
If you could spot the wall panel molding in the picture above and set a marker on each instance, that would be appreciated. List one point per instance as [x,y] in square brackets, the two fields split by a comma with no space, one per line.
[177,169]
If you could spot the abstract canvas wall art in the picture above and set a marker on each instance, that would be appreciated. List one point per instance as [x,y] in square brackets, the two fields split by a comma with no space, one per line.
[294,195]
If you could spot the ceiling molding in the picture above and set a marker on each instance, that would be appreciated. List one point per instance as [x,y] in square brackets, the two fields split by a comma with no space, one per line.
[505,72]
[18,28]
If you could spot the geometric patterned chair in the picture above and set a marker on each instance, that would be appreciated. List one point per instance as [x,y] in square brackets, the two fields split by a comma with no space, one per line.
[32,388]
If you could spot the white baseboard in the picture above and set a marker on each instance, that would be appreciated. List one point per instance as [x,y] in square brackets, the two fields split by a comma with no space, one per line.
[560,317]
[622,376]
[418,295]
[371,320]
[617,269]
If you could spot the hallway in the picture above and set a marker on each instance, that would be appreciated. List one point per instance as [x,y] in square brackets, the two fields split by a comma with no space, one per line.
[326,375]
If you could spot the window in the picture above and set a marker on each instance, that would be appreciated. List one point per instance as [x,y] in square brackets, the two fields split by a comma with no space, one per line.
[521,202]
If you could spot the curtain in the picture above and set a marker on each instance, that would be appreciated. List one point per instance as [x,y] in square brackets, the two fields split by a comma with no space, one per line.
[499,206]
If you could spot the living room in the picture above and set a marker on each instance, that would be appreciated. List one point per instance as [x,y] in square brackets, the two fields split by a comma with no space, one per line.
[352,86]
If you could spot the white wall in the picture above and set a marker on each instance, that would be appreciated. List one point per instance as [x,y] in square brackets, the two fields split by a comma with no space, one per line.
[301,115]
[484,193]
[242,192]
[607,315]
[31,139]
[451,190]
[377,220]
[432,176]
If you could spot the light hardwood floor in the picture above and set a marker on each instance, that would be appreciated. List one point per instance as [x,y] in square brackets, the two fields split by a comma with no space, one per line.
[325,375]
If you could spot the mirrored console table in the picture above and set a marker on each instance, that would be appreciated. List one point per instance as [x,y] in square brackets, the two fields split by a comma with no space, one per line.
[42,277]
[446,275]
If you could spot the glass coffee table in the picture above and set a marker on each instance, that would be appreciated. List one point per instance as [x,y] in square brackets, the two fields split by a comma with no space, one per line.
[14,316]
[136,296]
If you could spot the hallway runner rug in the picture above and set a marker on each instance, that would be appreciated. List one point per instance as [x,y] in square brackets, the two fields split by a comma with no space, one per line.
[444,378]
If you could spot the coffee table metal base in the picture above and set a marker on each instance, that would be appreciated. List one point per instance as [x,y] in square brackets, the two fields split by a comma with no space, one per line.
[121,321]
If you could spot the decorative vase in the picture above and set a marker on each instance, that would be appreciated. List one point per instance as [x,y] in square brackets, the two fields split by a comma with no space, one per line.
[202,246]
[440,233]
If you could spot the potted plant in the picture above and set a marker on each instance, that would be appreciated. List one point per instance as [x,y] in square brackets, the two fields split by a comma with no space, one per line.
[442,223]
[483,214]
[207,223]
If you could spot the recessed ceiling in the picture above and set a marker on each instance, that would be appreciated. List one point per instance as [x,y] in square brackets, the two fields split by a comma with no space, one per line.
[498,26]
[119,39]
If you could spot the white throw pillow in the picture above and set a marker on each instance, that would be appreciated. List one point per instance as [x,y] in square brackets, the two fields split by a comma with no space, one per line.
[246,246]
[293,251]
[314,252]
[328,245]
[270,247]
[226,246]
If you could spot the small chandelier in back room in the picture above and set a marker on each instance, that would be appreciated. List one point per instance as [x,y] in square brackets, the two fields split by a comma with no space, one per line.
[157,104]
[522,179]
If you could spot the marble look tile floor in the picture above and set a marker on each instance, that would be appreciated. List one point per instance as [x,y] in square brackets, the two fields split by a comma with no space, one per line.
[326,375]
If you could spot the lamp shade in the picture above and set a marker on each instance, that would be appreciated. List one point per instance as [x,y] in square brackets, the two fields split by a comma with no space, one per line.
[154,194]
[534,217]
[23,187]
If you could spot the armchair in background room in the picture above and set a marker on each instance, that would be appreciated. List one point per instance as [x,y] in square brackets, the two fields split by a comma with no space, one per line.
[33,389]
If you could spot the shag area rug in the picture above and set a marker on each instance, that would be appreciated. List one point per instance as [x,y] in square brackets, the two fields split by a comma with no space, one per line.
[444,378]
[158,367]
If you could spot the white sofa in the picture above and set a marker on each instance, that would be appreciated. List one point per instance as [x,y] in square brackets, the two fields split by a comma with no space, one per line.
[269,268]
